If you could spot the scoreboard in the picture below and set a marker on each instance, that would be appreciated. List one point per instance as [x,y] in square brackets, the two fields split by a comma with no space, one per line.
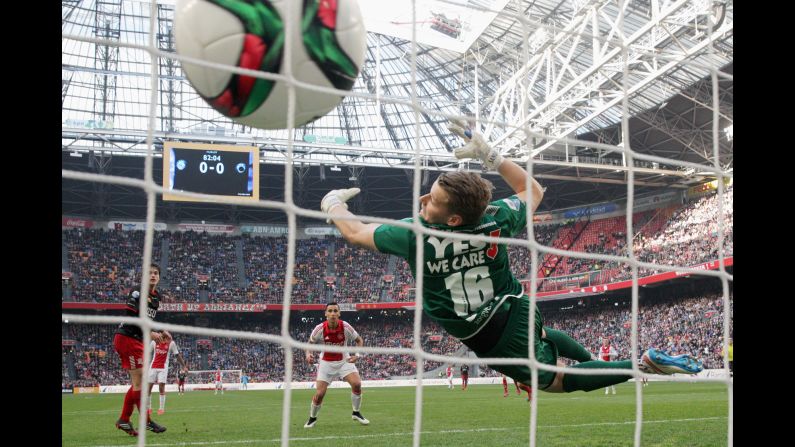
[214,169]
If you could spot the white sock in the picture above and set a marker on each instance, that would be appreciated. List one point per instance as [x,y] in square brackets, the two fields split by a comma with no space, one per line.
[163,401]
[356,400]
[314,410]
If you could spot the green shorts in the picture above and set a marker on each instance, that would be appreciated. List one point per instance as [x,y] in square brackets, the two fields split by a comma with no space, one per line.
[513,344]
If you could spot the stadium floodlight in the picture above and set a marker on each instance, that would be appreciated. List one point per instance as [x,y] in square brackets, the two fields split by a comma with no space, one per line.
[729,131]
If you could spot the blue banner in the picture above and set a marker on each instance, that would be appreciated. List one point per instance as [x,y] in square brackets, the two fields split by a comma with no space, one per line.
[594,210]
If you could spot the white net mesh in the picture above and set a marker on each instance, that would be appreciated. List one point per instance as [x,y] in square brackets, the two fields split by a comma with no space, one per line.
[634,64]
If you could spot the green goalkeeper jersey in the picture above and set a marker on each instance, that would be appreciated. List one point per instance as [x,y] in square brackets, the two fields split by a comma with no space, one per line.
[464,281]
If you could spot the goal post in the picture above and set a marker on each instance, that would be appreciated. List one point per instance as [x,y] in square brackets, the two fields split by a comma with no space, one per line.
[205,380]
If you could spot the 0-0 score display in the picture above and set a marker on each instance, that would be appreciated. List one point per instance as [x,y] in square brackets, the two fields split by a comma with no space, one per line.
[220,170]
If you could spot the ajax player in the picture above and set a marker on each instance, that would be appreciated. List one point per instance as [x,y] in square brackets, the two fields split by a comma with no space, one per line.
[334,365]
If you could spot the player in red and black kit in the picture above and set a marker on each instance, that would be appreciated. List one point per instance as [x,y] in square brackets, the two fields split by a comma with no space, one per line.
[464,377]
[181,374]
[519,386]
[128,343]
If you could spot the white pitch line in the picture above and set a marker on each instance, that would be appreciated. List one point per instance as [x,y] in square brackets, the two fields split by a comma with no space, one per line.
[336,437]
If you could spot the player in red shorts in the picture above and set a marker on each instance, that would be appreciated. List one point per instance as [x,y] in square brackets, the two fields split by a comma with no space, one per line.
[519,386]
[181,375]
[128,343]
[464,376]
[505,386]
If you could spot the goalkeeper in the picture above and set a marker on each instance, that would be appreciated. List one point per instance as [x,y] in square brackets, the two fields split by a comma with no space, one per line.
[468,286]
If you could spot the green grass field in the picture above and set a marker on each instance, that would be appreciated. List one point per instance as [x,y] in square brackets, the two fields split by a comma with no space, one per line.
[675,414]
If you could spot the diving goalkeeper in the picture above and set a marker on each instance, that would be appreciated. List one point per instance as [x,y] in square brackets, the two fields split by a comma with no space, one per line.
[468,287]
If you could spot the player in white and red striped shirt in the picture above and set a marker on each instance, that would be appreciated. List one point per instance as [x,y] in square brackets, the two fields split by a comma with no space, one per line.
[158,370]
[450,377]
[335,365]
[607,353]
[219,383]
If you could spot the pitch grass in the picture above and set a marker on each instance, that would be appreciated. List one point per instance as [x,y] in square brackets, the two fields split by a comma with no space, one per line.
[675,414]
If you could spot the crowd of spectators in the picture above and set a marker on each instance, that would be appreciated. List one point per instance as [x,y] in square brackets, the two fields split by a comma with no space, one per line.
[689,237]
[106,263]
[677,326]
[359,273]
[200,259]
[686,324]
[265,260]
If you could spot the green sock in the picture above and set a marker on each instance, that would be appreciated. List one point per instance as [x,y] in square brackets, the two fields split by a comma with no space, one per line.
[576,382]
[567,346]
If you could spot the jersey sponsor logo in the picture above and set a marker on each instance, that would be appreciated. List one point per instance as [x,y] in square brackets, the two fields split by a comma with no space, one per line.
[513,203]
[465,254]
[459,246]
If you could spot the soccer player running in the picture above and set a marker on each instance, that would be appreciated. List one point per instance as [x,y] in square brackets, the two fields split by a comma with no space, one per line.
[158,370]
[608,353]
[334,365]
[128,343]
[468,287]
[464,376]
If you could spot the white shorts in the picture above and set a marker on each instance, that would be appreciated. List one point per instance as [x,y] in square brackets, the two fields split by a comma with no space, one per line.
[331,371]
[219,384]
[158,375]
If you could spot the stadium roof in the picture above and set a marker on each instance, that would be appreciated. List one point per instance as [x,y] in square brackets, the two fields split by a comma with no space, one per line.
[537,64]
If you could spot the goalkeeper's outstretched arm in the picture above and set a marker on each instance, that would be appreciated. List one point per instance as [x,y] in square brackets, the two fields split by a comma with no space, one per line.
[515,176]
[354,231]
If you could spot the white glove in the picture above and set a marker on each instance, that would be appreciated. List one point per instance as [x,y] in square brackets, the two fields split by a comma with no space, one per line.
[476,147]
[337,197]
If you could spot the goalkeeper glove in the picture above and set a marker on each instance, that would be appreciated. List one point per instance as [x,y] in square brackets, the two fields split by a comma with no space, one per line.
[337,197]
[476,147]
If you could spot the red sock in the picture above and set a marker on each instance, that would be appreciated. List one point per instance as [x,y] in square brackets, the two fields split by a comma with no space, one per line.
[137,397]
[528,389]
[129,404]
[505,385]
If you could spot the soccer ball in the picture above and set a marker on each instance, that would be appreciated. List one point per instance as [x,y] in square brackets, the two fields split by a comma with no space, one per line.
[328,41]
